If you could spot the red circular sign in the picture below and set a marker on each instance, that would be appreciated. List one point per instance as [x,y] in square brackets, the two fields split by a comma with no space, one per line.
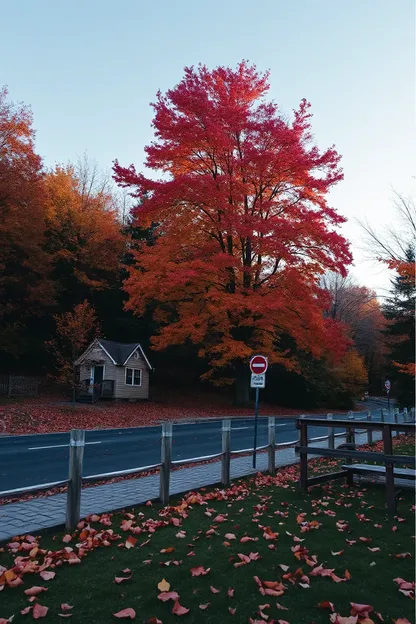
[258,364]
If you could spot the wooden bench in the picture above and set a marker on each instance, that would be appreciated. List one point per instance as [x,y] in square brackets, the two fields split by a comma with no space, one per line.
[401,473]
[349,452]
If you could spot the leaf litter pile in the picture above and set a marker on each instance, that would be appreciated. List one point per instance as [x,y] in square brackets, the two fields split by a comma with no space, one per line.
[259,551]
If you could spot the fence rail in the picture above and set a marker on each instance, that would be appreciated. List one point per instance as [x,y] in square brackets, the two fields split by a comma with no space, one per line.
[77,446]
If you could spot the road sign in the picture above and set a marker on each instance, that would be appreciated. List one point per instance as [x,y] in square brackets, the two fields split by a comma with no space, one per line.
[387,385]
[258,364]
[258,381]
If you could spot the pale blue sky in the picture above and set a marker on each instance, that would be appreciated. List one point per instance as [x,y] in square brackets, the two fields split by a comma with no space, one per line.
[89,70]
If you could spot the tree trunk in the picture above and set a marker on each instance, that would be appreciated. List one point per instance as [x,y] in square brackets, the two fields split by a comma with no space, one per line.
[242,385]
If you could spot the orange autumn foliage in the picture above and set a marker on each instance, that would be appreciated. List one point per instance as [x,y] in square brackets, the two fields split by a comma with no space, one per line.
[83,232]
[25,288]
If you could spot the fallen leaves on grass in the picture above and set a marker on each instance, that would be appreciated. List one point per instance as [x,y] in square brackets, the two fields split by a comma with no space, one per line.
[39,611]
[125,614]
[179,609]
[199,571]
[163,586]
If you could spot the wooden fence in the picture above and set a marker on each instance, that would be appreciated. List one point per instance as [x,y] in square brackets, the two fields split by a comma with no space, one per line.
[77,444]
[19,385]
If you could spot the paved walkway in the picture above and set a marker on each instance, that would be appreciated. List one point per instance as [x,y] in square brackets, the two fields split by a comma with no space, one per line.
[41,513]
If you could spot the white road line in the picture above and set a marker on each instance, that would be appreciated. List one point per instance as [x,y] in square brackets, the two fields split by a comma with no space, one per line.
[38,448]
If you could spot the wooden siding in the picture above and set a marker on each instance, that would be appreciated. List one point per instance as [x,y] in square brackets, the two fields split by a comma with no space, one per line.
[122,390]
[96,354]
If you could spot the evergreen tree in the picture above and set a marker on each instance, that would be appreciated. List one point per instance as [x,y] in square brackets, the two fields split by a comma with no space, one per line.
[399,310]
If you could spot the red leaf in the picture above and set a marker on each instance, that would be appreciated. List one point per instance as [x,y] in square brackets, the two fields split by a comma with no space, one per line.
[199,571]
[178,609]
[35,590]
[230,592]
[46,575]
[120,579]
[204,606]
[130,542]
[25,611]
[66,607]
[214,590]
[165,596]
[232,610]
[360,609]
[66,538]
[125,614]
[39,611]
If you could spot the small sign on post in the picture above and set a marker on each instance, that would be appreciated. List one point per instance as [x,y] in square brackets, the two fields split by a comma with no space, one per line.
[258,367]
[258,381]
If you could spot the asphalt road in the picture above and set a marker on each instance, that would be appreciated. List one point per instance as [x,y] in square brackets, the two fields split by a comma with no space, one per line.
[36,459]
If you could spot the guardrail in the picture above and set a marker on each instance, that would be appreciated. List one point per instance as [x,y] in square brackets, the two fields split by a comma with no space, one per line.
[77,446]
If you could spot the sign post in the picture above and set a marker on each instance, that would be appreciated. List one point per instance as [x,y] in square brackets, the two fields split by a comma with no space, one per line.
[387,385]
[258,367]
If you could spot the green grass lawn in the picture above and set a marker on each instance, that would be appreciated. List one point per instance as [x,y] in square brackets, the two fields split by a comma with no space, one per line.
[338,527]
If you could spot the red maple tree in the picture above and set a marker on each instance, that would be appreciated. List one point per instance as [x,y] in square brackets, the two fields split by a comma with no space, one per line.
[241,227]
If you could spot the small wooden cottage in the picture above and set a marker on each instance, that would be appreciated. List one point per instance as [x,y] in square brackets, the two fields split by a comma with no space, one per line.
[113,370]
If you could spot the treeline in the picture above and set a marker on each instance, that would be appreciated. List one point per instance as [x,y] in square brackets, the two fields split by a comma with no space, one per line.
[78,259]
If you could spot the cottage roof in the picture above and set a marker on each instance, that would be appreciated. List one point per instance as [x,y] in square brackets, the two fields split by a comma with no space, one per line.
[120,352]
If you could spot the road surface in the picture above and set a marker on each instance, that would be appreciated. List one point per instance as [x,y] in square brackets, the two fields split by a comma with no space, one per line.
[36,459]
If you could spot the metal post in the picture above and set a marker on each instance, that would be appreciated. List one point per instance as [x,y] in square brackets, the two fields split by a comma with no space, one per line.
[412,412]
[383,415]
[272,444]
[331,433]
[226,448]
[369,431]
[405,415]
[165,460]
[76,456]
[256,417]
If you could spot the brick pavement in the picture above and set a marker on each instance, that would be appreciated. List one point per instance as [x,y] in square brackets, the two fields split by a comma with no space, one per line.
[34,515]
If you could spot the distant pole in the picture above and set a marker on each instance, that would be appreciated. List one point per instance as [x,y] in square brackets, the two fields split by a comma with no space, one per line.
[256,417]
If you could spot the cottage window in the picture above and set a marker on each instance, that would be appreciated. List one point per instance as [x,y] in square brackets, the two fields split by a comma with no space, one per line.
[133,377]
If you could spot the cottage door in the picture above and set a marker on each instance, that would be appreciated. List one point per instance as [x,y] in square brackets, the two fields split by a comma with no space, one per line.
[98,372]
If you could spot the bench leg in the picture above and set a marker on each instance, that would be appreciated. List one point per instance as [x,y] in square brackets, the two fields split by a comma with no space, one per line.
[350,478]
[391,497]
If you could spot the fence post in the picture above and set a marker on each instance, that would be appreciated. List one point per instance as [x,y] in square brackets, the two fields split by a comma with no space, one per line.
[331,433]
[226,451]
[76,456]
[165,459]
[369,431]
[271,425]
[412,412]
[405,414]
[382,417]
[350,430]
[388,450]
[303,457]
